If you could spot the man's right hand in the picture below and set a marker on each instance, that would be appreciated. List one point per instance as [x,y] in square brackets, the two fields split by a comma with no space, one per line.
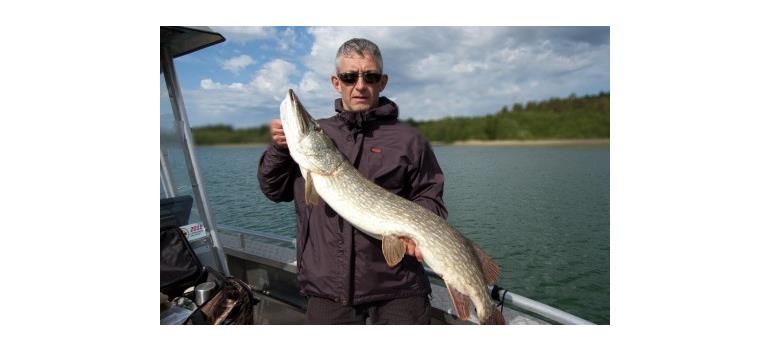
[276,132]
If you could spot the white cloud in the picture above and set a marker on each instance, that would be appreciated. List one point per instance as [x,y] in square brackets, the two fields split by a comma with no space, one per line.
[288,40]
[273,78]
[434,71]
[208,84]
[245,34]
[439,71]
[239,104]
[237,63]
[468,67]
[310,83]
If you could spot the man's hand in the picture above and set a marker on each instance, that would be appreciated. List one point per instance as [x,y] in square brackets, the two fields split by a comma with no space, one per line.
[411,248]
[276,132]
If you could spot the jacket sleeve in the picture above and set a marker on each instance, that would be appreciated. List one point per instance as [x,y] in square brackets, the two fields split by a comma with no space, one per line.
[428,181]
[276,174]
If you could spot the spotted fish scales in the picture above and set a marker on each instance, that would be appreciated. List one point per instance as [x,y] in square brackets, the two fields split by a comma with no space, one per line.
[463,266]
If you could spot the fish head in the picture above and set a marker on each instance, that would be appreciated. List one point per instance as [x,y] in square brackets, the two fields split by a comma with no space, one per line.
[309,146]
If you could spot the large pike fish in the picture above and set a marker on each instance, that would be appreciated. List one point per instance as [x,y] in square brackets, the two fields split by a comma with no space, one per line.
[465,268]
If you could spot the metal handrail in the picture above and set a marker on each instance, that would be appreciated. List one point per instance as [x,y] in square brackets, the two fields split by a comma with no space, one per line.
[196,179]
[511,300]
[239,230]
[514,300]
[540,309]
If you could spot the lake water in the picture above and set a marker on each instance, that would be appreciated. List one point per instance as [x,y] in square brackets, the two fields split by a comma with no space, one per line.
[542,213]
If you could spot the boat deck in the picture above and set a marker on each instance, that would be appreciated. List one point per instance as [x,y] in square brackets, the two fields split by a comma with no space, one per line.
[270,267]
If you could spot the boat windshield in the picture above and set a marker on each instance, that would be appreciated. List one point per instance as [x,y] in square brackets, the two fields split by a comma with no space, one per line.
[174,175]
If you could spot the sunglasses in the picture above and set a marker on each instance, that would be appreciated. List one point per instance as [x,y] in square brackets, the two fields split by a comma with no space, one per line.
[352,77]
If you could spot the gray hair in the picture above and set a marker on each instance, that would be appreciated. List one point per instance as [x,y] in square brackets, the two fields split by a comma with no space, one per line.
[360,46]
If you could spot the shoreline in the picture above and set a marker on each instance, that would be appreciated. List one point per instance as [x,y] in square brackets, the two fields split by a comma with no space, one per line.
[474,143]
[516,143]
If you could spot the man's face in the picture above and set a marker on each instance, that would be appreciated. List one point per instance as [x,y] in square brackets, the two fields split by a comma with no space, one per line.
[358,96]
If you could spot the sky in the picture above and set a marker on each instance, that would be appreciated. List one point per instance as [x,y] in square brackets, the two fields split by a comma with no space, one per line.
[433,72]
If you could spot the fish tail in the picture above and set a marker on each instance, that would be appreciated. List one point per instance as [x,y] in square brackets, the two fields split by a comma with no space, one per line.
[495,318]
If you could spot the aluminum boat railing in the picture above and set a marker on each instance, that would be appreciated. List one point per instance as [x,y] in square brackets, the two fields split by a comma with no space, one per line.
[510,299]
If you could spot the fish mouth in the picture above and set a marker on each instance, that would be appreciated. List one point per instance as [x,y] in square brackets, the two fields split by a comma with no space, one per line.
[304,120]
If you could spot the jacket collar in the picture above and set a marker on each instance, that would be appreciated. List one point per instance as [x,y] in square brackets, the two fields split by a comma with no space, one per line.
[385,110]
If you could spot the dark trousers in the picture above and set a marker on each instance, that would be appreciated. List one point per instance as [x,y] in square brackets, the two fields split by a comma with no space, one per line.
[410,310]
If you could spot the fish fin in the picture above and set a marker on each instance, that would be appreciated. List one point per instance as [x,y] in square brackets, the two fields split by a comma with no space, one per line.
[460,301]
[488,266]
[393,249]
[311,196]
[495,318]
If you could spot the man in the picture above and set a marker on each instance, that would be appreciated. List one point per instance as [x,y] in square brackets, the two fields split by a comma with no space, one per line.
[341,270]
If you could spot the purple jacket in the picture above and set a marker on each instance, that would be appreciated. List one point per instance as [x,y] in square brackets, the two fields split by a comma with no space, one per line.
[335,260]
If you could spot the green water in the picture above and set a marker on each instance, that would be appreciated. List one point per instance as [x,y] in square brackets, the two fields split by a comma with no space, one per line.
[541,212]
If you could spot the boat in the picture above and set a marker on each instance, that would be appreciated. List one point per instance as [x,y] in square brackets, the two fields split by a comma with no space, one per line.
[264,260]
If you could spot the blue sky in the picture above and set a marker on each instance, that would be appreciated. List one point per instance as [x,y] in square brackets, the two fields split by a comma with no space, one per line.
[434,71]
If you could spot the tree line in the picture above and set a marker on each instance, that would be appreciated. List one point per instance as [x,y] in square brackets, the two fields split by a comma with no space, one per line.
[573,117]
[221,134]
